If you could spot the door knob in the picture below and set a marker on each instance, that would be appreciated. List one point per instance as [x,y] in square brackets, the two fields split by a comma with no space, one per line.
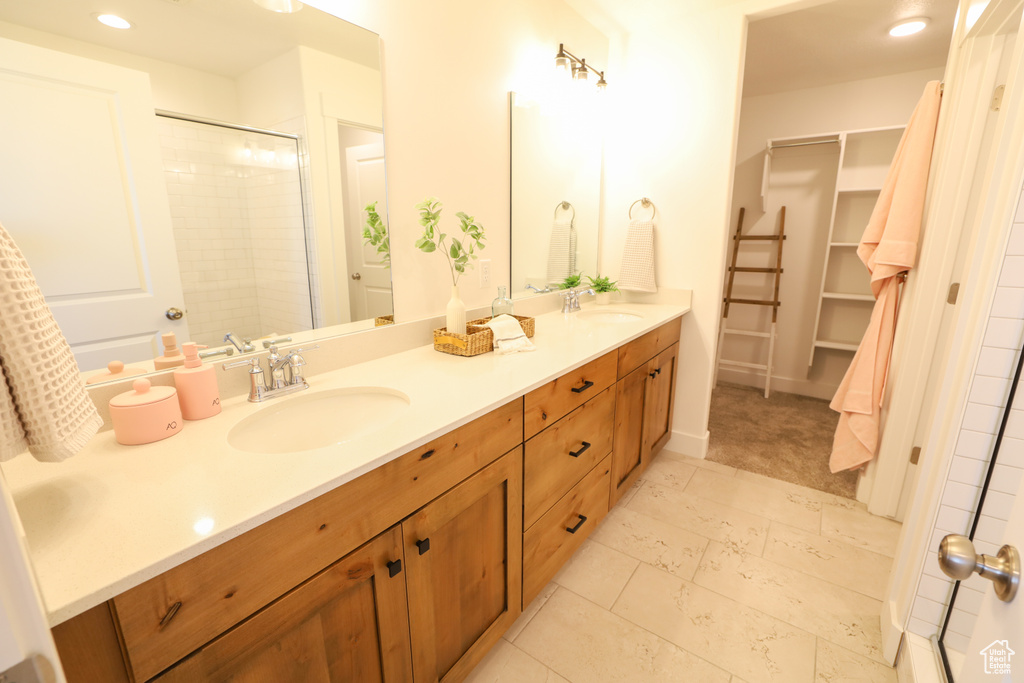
[174,313]
[357,276]
[958,560]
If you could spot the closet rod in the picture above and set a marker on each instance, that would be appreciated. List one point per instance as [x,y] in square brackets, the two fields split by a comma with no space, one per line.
[801,144]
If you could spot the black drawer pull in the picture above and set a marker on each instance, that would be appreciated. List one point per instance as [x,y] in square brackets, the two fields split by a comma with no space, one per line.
[658,371]
[574,529]
[170,614]
[427,454]
[580,452]
[394,568]
[423,545]
[652,374]
[586,385]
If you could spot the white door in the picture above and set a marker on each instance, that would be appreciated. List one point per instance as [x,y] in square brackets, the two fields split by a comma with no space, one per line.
[24,631]
[369,283]
[996,652]
[83,194]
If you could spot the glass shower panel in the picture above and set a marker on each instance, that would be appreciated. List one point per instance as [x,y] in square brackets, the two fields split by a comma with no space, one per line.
[237,216]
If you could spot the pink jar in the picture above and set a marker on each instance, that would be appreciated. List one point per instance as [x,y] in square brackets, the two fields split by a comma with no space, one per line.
[145,414]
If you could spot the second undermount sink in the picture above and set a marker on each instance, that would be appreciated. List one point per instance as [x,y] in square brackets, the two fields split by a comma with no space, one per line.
[317,419]
[609,316]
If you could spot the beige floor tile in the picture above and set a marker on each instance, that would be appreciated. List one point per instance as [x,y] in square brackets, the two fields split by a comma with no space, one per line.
[813,494]
[838,665]
[668,472]
[530,612]
[587,644]
[744,641]
[837,614]
[788,507]
[630,493]
[826,558]
[597,573]
[667,547]
[506,663]
[731,526]
[697,462]
[860,528]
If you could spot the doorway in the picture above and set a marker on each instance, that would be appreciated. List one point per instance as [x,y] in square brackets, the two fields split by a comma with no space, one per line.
[829,92]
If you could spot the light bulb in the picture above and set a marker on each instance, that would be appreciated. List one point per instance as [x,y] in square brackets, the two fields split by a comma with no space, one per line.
[909,27]
[113,21]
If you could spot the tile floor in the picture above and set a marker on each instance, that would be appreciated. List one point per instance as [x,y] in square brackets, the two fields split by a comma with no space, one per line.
[710,574]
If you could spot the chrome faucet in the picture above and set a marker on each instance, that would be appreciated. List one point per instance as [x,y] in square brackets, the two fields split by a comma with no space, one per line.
[289,366]
[571,298]
[539,291]
[245,347]
[227,351]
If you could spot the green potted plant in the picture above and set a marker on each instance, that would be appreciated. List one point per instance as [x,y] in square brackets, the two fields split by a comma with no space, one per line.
[571,281]
[603,288]
[460,253]
[375,234]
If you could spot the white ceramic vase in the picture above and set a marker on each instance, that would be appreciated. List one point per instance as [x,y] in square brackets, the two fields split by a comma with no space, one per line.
[603,298]
[455,320]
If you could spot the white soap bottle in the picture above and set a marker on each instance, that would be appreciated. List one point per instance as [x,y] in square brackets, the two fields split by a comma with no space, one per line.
[197,386]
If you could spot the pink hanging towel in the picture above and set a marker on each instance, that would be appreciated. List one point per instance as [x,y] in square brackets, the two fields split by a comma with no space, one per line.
[888,248]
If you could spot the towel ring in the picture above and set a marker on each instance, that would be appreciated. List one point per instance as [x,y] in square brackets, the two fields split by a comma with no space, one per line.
[565,206]
[645,203]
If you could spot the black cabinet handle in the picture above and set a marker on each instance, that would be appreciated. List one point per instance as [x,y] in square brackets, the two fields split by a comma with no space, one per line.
[394,568]
[652,374]
[427,454]
[658,371]
[423,545]
[170,614]
[586,385]
[574,529]
[580,452]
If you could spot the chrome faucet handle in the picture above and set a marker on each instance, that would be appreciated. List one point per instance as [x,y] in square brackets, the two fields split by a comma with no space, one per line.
[257,384]
[267,343]
[229,351]
[276,363]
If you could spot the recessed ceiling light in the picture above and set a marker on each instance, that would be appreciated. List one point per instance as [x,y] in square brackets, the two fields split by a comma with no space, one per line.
[113,21]
[908,27]
[280,6]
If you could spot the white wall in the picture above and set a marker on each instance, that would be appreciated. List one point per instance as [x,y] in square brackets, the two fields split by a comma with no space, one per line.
[802,179]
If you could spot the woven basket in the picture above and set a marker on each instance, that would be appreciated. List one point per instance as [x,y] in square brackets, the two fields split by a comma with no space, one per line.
[478,338]
[382,320]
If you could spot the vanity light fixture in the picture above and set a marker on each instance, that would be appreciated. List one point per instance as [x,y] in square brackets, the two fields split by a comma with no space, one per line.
[113,21]
[280,6]
[908,27]
[566,61]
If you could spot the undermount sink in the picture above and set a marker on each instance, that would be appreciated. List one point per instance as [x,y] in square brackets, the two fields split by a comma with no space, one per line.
[609,316]
[318,419]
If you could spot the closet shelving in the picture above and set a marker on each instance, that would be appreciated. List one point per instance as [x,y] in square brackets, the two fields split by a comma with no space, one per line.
[844,298]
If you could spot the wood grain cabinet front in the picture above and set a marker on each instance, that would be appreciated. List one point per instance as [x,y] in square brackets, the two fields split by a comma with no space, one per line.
[464,553]
[347,623]
[547,404]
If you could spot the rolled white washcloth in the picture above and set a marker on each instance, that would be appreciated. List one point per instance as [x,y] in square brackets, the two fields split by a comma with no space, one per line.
[508,335]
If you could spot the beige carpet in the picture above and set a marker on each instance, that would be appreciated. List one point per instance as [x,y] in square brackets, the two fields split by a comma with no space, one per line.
[787,437]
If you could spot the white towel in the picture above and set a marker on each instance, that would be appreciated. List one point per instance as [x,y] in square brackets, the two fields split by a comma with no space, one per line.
[637,271]
[43,403]
[508,335]
[561,252]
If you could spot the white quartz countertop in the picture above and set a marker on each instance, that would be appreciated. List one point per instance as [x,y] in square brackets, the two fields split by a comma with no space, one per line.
[115,516]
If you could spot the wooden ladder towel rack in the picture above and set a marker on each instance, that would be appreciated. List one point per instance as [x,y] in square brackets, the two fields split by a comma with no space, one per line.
[738,239]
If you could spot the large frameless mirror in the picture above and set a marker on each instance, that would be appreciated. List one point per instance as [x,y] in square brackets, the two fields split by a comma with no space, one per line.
[206,171]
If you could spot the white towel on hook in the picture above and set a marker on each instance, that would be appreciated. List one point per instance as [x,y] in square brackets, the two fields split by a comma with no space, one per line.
[561,252]
[637,272]
[43,404]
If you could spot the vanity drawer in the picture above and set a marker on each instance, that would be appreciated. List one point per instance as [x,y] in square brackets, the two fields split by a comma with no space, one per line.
[218,589]
[550,466]
[642,349]
[555,537]
[549,403]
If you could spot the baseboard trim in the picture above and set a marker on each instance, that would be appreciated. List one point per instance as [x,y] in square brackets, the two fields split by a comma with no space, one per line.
[786,385]
[688,444]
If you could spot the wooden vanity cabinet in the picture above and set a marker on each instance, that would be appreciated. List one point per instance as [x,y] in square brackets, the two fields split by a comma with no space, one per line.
[464,558]
[347,623]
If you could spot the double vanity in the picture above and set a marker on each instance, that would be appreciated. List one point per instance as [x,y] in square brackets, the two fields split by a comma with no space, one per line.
[390,523]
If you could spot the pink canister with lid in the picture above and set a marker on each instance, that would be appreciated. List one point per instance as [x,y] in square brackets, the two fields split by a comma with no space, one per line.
[145,414]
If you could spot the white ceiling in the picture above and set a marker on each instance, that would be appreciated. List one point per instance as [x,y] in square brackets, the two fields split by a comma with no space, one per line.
[843,41]
[226,37]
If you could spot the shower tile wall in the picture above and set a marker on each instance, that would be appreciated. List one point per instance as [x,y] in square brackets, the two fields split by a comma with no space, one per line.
[234,225]
[989,390]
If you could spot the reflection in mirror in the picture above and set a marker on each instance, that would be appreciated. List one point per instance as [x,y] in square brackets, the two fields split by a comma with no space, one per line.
[556,189]
[244,208]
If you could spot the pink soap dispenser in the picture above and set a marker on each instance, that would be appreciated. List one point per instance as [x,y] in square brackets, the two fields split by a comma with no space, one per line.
[197,386]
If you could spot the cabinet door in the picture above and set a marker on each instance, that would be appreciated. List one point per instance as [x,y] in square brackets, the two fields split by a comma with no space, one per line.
[347,623]
[660,401]
[464,553]
[628,446]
